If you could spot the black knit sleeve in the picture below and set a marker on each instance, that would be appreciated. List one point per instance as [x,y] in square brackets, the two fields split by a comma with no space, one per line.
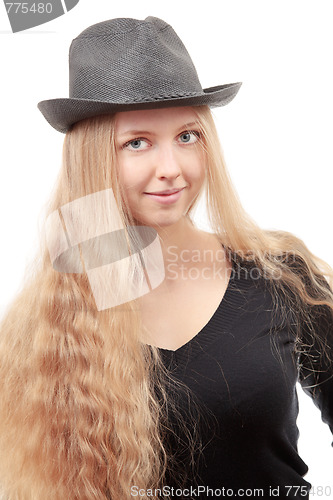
[315,348]
[316,361]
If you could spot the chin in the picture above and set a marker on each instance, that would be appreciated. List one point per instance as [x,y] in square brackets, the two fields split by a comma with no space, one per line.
[162,220]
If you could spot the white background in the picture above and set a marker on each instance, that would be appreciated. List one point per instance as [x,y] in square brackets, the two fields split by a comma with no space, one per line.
[276,134]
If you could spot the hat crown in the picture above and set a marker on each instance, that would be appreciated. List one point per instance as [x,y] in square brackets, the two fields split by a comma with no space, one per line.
[129,60]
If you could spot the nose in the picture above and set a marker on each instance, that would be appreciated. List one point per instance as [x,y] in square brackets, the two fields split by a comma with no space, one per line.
[167,163]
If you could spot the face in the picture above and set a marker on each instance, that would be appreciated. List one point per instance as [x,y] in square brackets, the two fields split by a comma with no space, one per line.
[160,161]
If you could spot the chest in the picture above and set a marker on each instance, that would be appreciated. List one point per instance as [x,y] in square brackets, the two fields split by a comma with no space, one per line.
[173,315]
[242,367]
[240,372]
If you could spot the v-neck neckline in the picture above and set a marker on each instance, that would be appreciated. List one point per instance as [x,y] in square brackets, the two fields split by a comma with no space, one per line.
[221,319]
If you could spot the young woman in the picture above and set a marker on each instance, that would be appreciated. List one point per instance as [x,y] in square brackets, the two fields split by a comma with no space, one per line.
[144,355]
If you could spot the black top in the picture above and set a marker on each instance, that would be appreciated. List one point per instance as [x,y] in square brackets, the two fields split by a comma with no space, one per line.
[242,369]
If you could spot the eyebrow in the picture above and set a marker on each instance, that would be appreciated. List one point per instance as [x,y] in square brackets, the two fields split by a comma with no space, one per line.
[149,132]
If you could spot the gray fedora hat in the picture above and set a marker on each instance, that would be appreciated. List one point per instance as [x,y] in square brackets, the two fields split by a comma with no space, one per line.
[128,64]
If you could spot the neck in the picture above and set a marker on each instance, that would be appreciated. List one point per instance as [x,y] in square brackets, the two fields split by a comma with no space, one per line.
[180,237]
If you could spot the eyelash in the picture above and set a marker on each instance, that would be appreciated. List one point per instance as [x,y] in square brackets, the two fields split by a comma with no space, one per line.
[195,132]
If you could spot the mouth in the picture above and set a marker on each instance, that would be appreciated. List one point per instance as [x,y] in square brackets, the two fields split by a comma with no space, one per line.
[167,192]
[166,197]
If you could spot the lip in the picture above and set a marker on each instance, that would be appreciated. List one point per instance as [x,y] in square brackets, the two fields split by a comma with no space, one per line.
[167,191]
[170,196]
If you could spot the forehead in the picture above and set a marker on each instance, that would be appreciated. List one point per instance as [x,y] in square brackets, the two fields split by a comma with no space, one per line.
[154,118]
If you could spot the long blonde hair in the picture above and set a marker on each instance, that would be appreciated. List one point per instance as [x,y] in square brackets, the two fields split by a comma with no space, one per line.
[83,407]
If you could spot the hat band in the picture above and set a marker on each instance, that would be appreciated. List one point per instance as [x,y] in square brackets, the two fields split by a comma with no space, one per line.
[113,100]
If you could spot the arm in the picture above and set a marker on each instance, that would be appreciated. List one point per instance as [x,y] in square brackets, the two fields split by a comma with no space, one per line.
[316,362]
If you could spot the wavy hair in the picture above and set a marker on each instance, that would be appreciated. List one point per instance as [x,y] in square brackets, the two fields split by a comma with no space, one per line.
[84,406]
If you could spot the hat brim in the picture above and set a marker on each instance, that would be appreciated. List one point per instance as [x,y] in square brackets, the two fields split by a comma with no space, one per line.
[62,113]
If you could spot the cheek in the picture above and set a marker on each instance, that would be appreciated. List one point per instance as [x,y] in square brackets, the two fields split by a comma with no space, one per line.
[131,177]
[197,169]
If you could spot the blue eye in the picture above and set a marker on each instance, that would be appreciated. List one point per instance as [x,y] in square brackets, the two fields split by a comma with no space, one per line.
[189,137]
[136,145]
[186,137]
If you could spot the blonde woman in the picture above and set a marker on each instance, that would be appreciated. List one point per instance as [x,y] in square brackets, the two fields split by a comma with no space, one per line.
[144,357]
